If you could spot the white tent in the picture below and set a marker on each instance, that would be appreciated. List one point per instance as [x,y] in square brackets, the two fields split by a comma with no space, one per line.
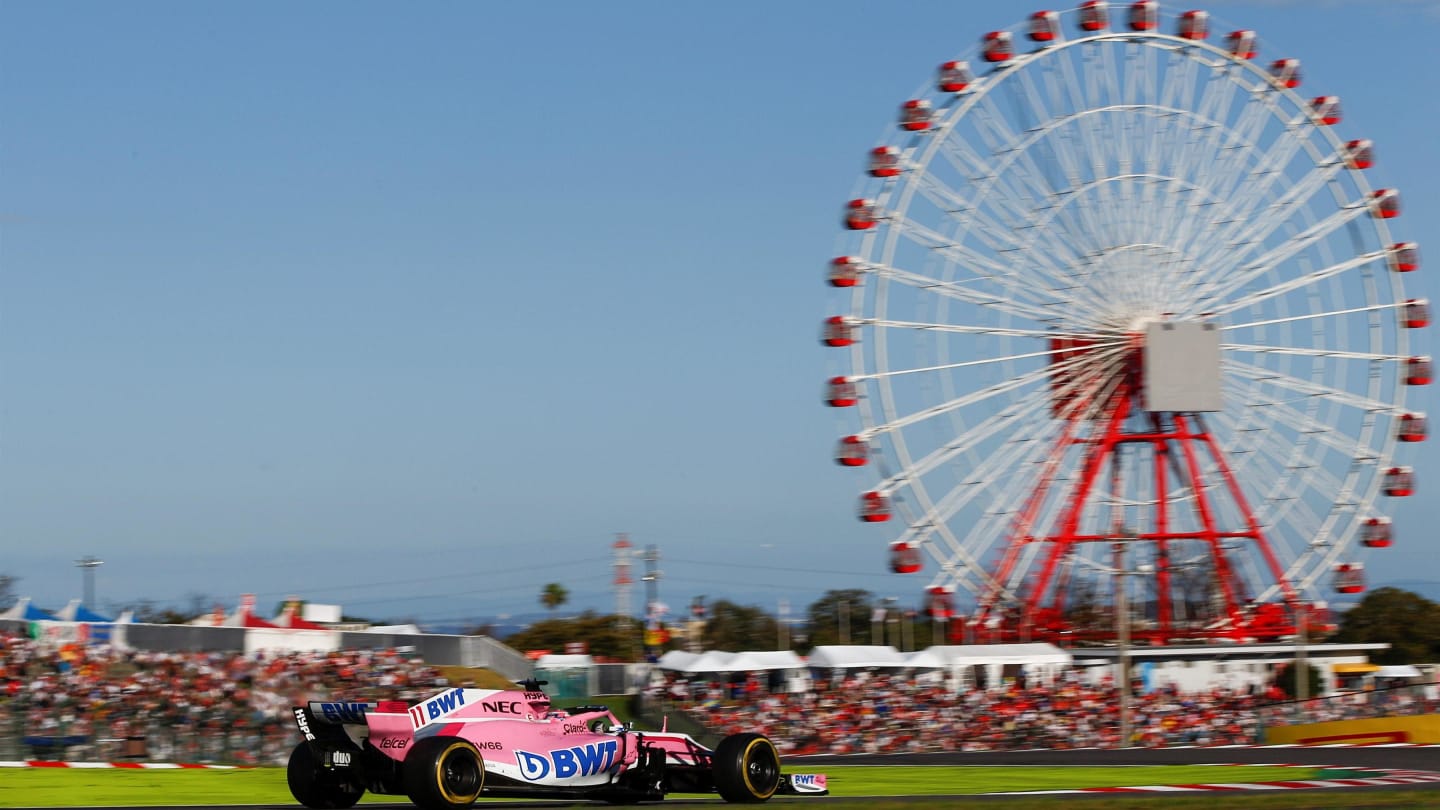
[676,660]
[564,662]
[765,660]
[712,661]
[1039,661]
[856,656]
[1397,671]
[924,659]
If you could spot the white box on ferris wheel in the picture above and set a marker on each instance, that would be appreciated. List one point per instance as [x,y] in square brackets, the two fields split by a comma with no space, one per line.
[1182,367]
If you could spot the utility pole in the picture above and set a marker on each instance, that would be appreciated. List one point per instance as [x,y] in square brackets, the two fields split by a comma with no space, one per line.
[88,565]
[1302,667]
[1122,635]
[623,583]
[651,578]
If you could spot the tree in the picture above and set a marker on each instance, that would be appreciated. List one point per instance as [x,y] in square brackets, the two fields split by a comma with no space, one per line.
[1285,679]
[841,617]
[1406,621]
[602,635]
[553,596]
[737,628]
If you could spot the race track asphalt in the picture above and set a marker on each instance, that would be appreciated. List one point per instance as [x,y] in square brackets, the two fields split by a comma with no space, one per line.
[1418,758]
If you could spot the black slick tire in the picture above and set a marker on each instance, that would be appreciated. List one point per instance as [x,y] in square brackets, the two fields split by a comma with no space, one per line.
[444,773]
[315,786]
[746,768]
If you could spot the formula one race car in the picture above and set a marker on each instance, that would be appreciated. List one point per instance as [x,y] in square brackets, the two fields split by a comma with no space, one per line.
[453,747]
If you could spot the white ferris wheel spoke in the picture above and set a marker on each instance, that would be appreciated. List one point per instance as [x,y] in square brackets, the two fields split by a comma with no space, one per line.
[958,291]
[976,263]
[1308,316]
[1233,279]
[1308,388]
[1299,282]
[1309,352]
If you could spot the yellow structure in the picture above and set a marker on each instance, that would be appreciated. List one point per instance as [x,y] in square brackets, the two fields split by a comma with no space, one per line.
[1424,728]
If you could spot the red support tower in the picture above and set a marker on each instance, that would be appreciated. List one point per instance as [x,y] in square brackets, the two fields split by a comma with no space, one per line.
[1210,520]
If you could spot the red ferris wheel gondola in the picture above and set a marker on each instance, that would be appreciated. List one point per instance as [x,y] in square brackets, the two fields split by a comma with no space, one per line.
[1376,533]
[1044,26]
[940,602]
[853,451]
[1385,203]
[904,557]
[885,162]
[1360,154]
[1405,257]
[841,392]
[845,271]
[1418,371]
[860,215]
[1194,25]
[954,77]
[1241,44]
[1094,16]
[1144,15]
[874,507]
[1413,427]
[1350,577]
[1325,110]
[1399,482]
[997,47]
[838,332]
[1415,314]
[916,115]
[1286,73]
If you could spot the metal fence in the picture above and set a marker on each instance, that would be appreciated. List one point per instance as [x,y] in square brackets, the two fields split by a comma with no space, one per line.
[219,736]
[1399,701]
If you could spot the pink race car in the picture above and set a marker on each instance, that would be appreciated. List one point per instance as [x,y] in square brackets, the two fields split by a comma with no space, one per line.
[448,750]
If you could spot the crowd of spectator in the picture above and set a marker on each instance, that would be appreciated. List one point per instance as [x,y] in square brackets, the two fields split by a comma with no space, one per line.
[876,712]
[100,703]
[870,712]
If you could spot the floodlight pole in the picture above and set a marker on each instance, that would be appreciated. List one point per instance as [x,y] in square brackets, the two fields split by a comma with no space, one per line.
[1302,667]
[1122,636]
[88,564]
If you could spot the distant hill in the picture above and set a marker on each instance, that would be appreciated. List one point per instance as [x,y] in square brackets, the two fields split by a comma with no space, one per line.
[1430,589]
[500,630]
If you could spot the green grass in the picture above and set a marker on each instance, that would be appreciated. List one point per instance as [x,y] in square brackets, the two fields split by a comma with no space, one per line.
[41,787]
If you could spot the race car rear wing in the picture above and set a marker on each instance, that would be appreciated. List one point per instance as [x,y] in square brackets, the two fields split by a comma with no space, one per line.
[342,713]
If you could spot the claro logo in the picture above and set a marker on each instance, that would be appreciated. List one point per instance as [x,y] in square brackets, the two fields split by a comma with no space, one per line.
[567,763]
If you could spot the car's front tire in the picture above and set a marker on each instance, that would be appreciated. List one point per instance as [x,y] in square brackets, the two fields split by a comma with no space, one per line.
[746,768]
[444,773]
[314,785]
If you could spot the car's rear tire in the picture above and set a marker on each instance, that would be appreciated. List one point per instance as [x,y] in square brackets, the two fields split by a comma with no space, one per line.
[314,785]
[444,773]
[746,768]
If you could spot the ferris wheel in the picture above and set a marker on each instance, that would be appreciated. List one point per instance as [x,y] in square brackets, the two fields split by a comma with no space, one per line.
[1118,312]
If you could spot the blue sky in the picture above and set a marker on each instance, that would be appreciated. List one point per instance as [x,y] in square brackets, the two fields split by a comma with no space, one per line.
[412,308]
